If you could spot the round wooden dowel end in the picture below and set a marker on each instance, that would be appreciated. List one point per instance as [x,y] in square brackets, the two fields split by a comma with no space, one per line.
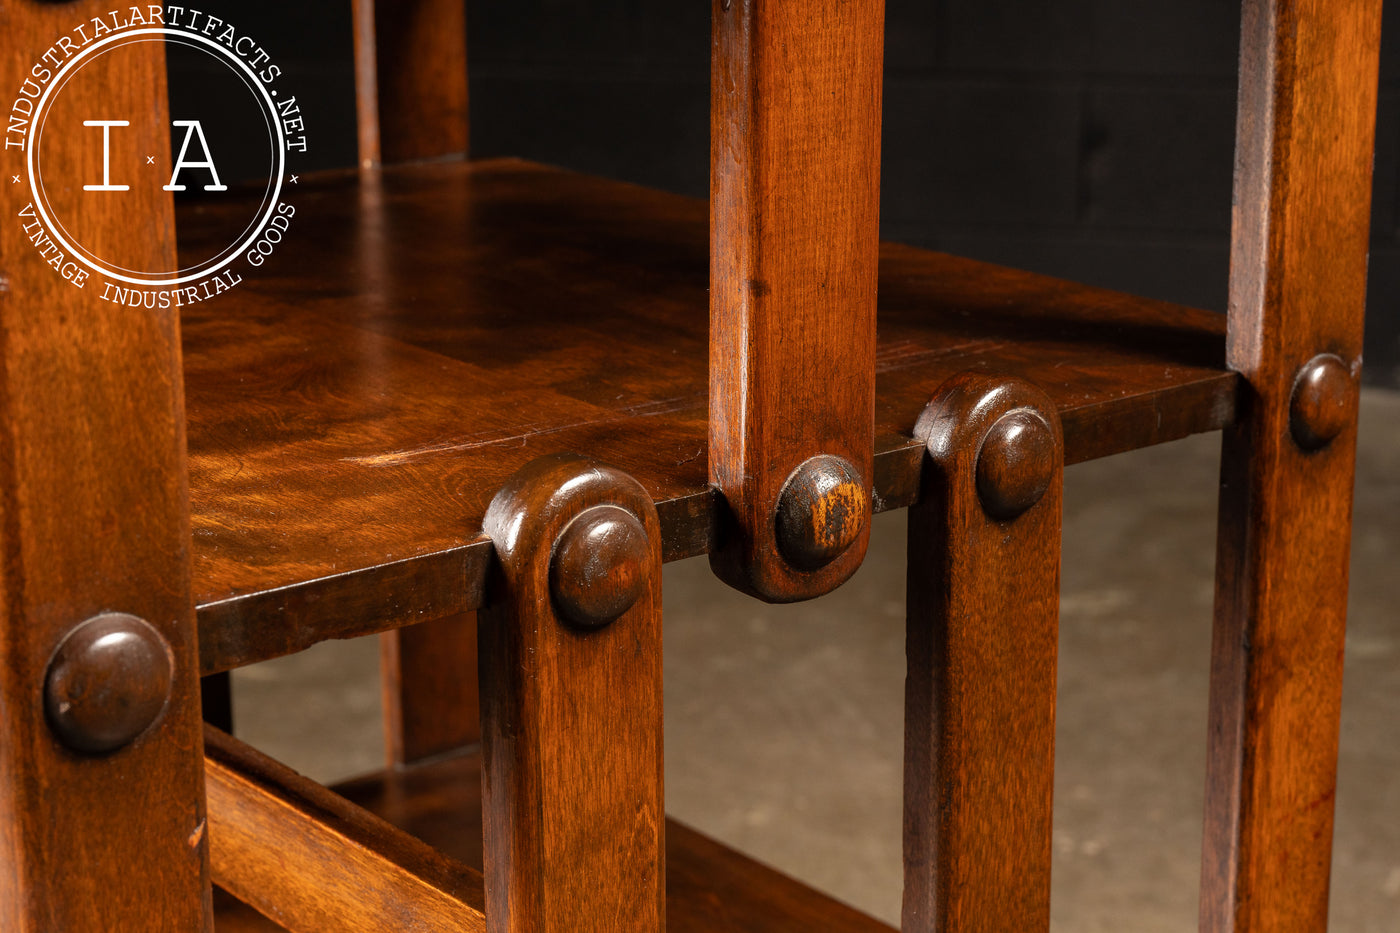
[599,568]
[1321,405]
[821,511]
[1015,464]
[107,683]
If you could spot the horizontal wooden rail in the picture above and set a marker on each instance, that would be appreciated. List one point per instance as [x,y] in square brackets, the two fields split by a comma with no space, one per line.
[316,863]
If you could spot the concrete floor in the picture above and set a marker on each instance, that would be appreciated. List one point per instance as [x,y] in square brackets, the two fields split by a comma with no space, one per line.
[784,730]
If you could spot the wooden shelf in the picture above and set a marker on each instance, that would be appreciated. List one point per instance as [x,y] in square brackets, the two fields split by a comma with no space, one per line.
[709,887]
[424,332]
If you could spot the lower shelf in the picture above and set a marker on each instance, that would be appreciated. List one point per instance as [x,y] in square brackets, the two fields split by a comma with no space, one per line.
[709,887]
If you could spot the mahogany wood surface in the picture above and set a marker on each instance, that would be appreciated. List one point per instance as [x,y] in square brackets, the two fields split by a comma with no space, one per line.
[410,79]
[1297,290]
[431,328]
[794,248]
[316,863]
[573,810]
[94,520]
[983,611]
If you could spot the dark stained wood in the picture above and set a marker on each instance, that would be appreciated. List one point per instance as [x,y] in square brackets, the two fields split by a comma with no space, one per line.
[429,688]
[709,888]
[794,250]
[1297,289]
[107,683]
[571,705]
[366,84]
[410,79]
[95,518]
[983,611]
[379,382]
[316,863]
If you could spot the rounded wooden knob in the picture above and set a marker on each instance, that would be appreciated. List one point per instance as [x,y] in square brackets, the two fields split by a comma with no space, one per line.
[600,566]
[107,683]
[821,511]
[1015,463]
[1321,405]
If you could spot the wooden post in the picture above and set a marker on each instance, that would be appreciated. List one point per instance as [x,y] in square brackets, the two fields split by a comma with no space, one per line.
[102,814]
[411,103]
[430,690]
[410,79]
[571,704]
[983,606]
[1297,295]
[794,244]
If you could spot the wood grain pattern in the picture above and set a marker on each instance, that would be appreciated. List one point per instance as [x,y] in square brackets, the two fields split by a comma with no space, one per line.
[316,863]
[1297,289]
[366,84]
[429,688]
[94,517]
[794,248]
[571,715]
[983,611]
[349,425]
[410,79]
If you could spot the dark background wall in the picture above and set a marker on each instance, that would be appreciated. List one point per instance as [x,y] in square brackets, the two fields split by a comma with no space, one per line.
[1090,139]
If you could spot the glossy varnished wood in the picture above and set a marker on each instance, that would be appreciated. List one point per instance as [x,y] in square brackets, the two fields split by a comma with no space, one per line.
[428,330]
[572,803]
[794,247]
[983,611]
[318,864]
[410,79]
[96,832]
[1297,292]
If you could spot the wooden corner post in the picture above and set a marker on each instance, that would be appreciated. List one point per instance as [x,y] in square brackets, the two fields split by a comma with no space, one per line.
[411,102]
[571,704]
[1297,296]
[102,811]
[983,623]
[410,79]
[794,243]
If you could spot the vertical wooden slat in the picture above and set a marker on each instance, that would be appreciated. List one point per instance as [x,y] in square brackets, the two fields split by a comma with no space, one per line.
[1297,290]
[428,674]
[983,611]
[411,79]
[794,230]
[94,518]
[411,94]
[366,84]
[571,704]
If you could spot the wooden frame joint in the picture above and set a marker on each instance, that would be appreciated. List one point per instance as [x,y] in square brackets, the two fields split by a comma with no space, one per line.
[570,666]
[1323,401]
[983,615]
